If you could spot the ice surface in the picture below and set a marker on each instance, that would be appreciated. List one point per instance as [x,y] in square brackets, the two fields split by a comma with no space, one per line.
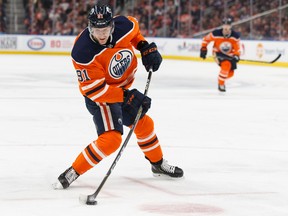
[233,147]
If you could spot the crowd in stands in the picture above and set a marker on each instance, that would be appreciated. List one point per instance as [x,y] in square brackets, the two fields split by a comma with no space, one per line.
[3,19]
[176,18]
[194,16]
[60,17]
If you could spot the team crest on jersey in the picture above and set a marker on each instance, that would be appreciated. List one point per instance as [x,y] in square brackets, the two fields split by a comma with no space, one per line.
[119,63]
[225,47]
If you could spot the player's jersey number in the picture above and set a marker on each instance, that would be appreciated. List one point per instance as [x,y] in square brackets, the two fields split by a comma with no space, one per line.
[82,75]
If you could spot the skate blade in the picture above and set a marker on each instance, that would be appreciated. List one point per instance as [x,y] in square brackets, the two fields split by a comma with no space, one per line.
[166,177]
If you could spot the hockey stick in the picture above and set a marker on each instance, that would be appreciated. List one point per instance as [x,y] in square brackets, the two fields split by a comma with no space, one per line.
[265,62]
[90,199]
[223,57]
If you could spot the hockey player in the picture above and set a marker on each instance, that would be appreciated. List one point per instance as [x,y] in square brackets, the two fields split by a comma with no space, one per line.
[105,63]
[226,50]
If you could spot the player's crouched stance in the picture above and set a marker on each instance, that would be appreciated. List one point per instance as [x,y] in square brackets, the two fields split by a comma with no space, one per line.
[105,63]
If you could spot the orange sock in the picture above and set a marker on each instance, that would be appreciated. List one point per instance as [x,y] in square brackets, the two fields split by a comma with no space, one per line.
[231,74]
[147,139]
[224,73]
[106,144]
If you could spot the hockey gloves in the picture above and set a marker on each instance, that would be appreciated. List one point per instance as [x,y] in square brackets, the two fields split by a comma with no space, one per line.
[133,99]
[234,62]
[151,58]
[203,52]
[236,58]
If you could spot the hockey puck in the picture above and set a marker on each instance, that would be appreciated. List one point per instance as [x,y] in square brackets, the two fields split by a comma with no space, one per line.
[87,200]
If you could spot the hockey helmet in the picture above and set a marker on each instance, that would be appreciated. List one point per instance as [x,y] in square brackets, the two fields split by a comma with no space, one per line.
[100,16]
[227,21]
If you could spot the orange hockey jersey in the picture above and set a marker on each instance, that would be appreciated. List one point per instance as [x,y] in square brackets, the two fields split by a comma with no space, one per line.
[104,70]
[225,45]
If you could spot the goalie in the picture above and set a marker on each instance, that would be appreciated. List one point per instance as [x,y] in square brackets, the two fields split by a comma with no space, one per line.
[226,50]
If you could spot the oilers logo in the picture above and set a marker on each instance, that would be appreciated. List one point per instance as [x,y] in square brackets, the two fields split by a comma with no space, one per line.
[119,63]
[225,47]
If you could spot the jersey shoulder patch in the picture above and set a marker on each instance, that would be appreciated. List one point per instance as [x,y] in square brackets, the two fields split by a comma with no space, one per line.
[85,49]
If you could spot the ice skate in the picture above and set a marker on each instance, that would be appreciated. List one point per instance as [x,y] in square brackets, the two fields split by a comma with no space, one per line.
[164,169]
[221,88]
[66,178]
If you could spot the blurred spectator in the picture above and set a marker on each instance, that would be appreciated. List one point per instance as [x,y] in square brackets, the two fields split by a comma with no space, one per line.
[159,18]
[3,18]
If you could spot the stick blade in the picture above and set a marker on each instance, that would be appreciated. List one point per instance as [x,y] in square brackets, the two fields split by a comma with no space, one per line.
[276,58]
[87,200]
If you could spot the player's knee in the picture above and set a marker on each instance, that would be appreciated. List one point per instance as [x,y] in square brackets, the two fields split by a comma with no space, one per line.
[109,141]
[145,126]
[225,65]
[231,74]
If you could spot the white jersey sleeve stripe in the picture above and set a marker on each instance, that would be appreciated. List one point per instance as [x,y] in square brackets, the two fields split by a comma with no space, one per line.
[100,93]
[95,83]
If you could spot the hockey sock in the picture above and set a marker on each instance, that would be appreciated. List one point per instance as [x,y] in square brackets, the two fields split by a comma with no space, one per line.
[223,75]
[147,139]
[106,144]
[231,74]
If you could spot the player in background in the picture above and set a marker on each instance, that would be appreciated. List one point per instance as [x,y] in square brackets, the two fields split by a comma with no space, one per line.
[105,63]
[226,50]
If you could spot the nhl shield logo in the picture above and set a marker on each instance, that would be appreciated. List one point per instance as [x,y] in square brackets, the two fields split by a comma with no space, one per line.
[119,63]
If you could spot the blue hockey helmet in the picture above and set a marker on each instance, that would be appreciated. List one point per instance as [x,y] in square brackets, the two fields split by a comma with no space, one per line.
[227,21]
[100,16]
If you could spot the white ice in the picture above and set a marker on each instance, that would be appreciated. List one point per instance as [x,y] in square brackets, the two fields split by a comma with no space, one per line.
[233,147]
